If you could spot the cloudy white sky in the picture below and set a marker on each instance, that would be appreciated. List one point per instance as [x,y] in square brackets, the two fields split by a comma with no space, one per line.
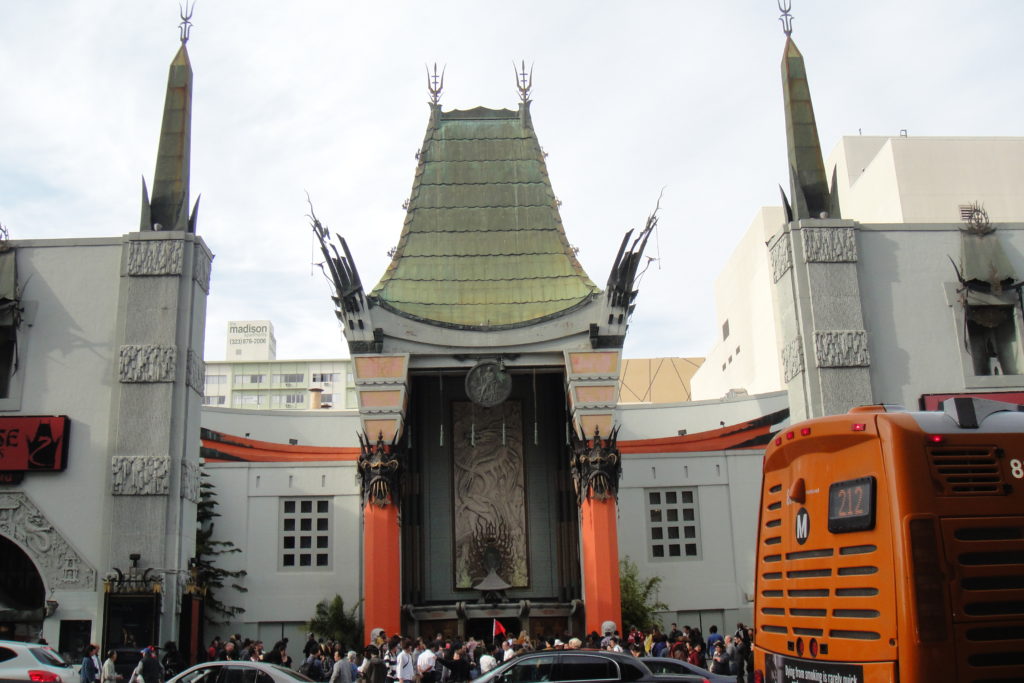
[329,96]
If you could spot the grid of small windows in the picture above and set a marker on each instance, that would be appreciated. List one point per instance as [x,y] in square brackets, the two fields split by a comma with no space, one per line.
[305,533]
[672,524]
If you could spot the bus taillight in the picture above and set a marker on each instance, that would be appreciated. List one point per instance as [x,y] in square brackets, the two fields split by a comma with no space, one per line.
[928,581]
[859,426]
[936,438]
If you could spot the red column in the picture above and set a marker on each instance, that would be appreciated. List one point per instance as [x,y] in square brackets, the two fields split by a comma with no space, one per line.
[599,538]
[382,582]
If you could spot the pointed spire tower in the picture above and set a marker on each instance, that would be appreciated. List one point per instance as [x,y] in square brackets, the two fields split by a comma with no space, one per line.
[168,207]
[809,188]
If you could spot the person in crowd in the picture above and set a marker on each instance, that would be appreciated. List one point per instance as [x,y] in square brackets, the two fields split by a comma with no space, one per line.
[697,657]
[149,667]
[487,662]
[719,659]
[425,665]
[713,637]
[172,660]
[90,671]
[457,664]
[406,663]
[391,659]
[108,674]
[373,669]
[341,672]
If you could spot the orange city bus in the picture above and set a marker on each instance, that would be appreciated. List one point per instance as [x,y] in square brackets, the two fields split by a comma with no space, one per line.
[891,547]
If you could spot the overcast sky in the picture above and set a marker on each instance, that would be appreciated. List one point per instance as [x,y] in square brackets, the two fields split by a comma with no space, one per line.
[330,97]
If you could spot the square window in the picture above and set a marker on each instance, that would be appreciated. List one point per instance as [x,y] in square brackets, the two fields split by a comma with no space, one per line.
[655,515]
[670,497]
[321,524]
[688,514]
[306,506]
[321,541]
[289,525]
[673,550]
[288,560]
[306,524]
[321,560]
[305,541]
[321,506]
[654,498]
[673,532]
[305,560]
[656,533]
[673,514]
[289,506]
[691,550]
[690,532]
[658,550]
[688,497]
[289,542]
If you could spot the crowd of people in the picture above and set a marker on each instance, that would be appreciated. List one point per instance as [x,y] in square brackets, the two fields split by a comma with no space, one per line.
[398,659]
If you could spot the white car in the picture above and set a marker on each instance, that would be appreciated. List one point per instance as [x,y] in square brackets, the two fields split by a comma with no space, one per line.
[239,672]
[37,663]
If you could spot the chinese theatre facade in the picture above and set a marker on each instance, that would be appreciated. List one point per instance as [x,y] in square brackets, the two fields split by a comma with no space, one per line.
[487,367]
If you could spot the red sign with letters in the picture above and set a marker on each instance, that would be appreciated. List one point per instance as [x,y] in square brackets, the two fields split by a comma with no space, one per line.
[34,443]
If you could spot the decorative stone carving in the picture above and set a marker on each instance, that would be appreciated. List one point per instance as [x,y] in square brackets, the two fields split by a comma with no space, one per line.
[781,255]
[830,245]
[487,384]
[195,371]
[140,475]
[489,494]
[155,257]
[60,564]
[147,363]
[842,349]
[202,268]
[378,470]
[596,466]
[792,359]
[191,477]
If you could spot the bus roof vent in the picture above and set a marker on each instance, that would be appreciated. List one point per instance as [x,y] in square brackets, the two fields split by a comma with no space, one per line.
[969,413]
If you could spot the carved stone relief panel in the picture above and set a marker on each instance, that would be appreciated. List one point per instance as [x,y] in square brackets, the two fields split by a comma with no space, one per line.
[792,359]
[140,475]
[61,565]
[842,349]
[190,480]
[202,268]
[147,363]
[489,494]
[830,245]
[781,255]
[195,371]
[155,257]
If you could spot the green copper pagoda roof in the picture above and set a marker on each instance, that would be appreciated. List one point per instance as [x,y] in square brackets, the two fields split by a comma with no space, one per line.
[482,246]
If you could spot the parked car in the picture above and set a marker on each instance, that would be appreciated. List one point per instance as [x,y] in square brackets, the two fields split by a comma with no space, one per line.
[669,666]
[238,672]
[30,662]
[579,666]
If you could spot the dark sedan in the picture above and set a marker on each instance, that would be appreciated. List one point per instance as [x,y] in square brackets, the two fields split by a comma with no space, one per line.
[669,666]
[580,666]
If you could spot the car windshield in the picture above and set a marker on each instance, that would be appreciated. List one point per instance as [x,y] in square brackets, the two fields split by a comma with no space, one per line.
[48,657]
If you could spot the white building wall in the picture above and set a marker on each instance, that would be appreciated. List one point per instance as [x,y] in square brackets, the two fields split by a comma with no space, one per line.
[67,366]
[279,600]
[744,359]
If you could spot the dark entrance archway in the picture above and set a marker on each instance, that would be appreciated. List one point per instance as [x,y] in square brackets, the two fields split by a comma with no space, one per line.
[22,594]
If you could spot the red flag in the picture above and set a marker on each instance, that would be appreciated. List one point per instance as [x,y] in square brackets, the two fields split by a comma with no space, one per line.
[498,629]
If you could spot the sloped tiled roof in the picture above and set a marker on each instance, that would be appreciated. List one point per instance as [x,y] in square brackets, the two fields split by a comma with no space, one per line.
[482,245]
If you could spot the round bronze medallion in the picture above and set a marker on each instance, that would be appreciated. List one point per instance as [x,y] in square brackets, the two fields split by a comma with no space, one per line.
[487,384]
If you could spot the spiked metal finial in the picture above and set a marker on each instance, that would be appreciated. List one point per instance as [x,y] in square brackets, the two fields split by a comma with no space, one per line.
[186,21]
[524,80]
[786,18]
[435,84]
